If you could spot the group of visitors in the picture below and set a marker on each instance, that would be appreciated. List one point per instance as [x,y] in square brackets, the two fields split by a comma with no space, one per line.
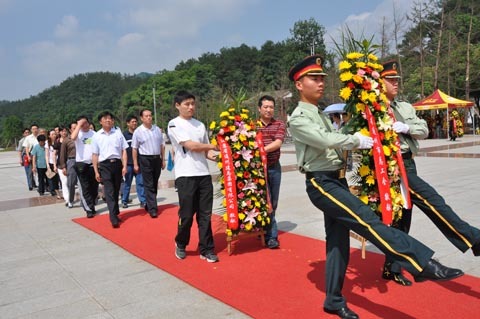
[108,156]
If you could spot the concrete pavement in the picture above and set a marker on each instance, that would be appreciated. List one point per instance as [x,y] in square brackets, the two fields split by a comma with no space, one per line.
[51,267]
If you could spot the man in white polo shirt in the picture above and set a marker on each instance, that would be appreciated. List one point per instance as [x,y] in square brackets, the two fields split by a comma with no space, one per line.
[82,135]
[148,152]
[110,162]
[192,178]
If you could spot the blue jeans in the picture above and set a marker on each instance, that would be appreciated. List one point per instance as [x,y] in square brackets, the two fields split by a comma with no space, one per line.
[274,180]
[28,172]
[128,184]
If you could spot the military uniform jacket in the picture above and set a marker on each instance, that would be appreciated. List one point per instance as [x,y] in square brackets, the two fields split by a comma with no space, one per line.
[418,129]
[315,141]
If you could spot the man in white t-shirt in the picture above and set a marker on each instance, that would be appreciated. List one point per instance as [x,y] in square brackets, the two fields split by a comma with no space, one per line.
[82,135]
[192,178]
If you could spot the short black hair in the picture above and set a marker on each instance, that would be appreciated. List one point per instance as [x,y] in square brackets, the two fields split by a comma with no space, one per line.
[266,98]
[131,117]
[41,138]
[83,117]
[26,129]
[182,96]
[34,124]
[105,114]
[143,110]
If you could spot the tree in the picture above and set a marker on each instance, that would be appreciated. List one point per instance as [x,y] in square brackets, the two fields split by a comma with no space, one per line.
[12,129]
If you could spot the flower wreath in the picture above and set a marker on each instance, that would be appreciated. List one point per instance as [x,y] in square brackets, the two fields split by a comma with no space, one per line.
[381,168]
[242,161]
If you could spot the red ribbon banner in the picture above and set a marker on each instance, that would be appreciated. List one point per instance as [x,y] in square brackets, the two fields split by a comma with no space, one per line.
[380,170]
[229,180]
[401,166]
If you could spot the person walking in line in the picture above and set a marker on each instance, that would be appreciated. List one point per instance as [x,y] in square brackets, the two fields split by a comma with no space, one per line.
[319,157]
[39,163]
[410,129]
[148,153]
[192,177]
[24,162]
[273,135]
[28,144]
[51,158]
[67,166]
[132,123]
[82,135]
[109,160]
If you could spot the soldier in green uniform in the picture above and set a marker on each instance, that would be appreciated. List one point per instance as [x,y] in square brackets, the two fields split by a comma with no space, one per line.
[411,128]
[318,155]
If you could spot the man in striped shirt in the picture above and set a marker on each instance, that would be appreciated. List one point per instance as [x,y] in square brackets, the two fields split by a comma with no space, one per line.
[273,134]
[148,152]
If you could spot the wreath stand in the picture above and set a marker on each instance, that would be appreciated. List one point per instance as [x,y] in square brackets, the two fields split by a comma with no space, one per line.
[354,235]
[236,237]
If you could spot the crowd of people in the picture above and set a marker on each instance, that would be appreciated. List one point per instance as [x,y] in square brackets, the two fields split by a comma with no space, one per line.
[109,156]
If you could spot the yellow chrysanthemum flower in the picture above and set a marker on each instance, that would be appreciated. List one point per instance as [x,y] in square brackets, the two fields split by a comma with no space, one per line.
[220,165]
[239,174]
[223,123]
[386,150]
[228,232]
[345,93]
[364,170]
[248,226]
[241,216]
[212,125]
[365,131]
[370,180]
[213,141]
[364,96]
[232,109]
[231,117]
[360,107]
[248,127]
[225,217]
[243,116]
[242,137]
[259,217]
[346,76]
[364,199]
[261,181]
[354,55]
[246,111]
[224,202]
[360,65]
[237,146]
[372,57]
[344,65]
[358,79]
[224,114]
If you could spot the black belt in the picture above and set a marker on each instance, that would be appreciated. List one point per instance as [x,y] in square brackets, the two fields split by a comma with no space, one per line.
[150,156]
[110,160]
[332,174]
[71,157]
[407,155]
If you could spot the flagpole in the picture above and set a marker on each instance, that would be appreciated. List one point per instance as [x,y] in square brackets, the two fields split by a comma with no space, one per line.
[154,106]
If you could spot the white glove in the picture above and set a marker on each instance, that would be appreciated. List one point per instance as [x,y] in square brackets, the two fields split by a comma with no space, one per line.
[366,142]
[400,127]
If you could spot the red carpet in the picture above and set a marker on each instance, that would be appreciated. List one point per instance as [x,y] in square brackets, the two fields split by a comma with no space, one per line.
[288,282]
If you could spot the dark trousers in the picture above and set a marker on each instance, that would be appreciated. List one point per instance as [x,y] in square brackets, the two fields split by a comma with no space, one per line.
[274,175]
[195,196]
[425,197]
[151,167]
[111,173]
[42,180]
[53,182]
[343,212]
[72,179]
[88,185]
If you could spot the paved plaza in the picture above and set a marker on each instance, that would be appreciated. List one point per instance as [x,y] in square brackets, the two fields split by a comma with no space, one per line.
[51,267]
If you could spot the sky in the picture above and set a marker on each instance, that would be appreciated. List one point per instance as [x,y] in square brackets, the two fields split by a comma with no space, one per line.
[44,42]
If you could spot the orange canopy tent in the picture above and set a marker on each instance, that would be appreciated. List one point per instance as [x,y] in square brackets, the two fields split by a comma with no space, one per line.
[439,100]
